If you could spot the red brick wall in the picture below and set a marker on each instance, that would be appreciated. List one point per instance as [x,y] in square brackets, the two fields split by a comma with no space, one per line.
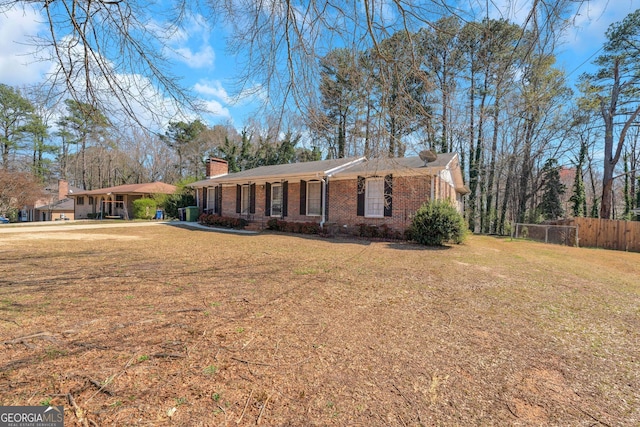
[409,193]
[293,211]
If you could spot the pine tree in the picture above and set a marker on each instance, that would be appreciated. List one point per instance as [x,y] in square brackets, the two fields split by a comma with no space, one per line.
[579,198]
[553,188]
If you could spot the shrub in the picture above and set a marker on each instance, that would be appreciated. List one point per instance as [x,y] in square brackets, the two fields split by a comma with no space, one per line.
[176,201]
[144,208]
[276,224]
[436,223]
[214,220]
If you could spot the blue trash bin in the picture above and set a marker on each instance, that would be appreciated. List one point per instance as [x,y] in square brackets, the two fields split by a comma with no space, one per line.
[159,214]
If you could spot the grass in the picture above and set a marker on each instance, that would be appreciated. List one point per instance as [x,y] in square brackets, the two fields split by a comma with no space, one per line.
[311,331]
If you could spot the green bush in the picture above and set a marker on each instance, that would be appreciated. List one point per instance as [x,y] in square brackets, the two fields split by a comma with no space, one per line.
[144,208]
[173,202]
[437,223]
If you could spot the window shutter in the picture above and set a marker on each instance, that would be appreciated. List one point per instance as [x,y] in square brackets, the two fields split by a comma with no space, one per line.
[303,197]
[361,194]
[238,198]
[267,199]
[252,198]
[388,195]
[285,198]
[219,199]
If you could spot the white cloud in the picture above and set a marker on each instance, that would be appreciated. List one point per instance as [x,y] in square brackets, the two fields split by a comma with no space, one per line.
[18,64]
[202,58]
[191,44]
[217,109]
[212,88]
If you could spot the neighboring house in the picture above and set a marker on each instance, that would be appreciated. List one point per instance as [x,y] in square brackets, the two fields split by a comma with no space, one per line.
[115,202]
[54,206]
[342,192]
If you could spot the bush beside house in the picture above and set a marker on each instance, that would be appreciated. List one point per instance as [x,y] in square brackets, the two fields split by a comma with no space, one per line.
[436,223]
[144,208]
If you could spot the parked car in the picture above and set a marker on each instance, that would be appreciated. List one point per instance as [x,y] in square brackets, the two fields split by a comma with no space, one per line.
[3,220]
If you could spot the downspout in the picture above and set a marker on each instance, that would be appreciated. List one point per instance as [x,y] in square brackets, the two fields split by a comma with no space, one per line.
[324,201]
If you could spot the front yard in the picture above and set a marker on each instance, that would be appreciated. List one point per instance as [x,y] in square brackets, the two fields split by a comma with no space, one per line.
[165,325]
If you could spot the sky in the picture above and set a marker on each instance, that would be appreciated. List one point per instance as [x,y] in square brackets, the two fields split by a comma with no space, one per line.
[200,58]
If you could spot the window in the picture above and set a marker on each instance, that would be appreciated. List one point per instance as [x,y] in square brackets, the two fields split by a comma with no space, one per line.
[91,200]
[374,198]
[245,200]
[119,198]
[80,201]
[314,198]
[276,199]
[211,199]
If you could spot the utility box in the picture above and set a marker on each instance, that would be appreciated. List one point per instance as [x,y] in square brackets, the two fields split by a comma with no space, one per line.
[191,213]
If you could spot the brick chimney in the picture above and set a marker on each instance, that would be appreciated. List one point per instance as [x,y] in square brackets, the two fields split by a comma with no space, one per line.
[216,167]
[63,189]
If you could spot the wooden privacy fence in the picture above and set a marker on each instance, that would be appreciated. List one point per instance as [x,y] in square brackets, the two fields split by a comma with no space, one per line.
[607,233]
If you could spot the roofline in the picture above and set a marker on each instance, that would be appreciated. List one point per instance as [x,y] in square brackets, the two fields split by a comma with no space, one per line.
[336,169]
[266,178]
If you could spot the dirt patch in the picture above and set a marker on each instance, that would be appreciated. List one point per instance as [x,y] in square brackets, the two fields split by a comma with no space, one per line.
[169,326]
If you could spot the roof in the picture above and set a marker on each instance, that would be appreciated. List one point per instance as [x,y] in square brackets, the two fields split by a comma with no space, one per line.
[263,173]
[146,188]
[398,165]
[60,205]
[348,168]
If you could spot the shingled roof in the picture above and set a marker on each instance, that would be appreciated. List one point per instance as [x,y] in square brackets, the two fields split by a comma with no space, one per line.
[145,188]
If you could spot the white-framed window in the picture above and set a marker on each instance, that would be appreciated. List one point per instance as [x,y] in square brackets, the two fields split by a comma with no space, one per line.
[374,198]
[314,198]
[80,201]
[245,199]
[211,199]
[276,199]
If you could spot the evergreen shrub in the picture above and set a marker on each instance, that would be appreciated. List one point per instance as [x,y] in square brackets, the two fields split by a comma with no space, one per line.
[144,208]
[436,223]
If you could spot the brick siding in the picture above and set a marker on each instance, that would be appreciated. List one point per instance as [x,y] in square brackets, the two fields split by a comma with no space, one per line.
[409,193]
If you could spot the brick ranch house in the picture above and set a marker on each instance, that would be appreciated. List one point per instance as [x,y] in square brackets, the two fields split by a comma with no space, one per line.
[115,202]
[340,193]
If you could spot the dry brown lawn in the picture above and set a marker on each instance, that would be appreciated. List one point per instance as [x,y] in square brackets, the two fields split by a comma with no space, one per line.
[169,326]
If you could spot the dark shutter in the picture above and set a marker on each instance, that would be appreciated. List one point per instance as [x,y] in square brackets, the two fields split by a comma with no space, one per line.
[388,195]
[219,199]
[267,199]
[252,198]
[238,198]
[285,198]
[361,193]
[303,197]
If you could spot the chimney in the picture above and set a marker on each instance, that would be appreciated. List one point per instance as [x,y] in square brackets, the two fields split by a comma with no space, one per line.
[216,167]
[63,189]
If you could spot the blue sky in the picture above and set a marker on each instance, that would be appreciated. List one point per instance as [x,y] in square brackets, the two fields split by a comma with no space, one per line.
[201,61]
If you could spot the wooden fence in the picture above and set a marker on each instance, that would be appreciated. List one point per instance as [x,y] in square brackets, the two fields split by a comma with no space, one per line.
[607,233]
